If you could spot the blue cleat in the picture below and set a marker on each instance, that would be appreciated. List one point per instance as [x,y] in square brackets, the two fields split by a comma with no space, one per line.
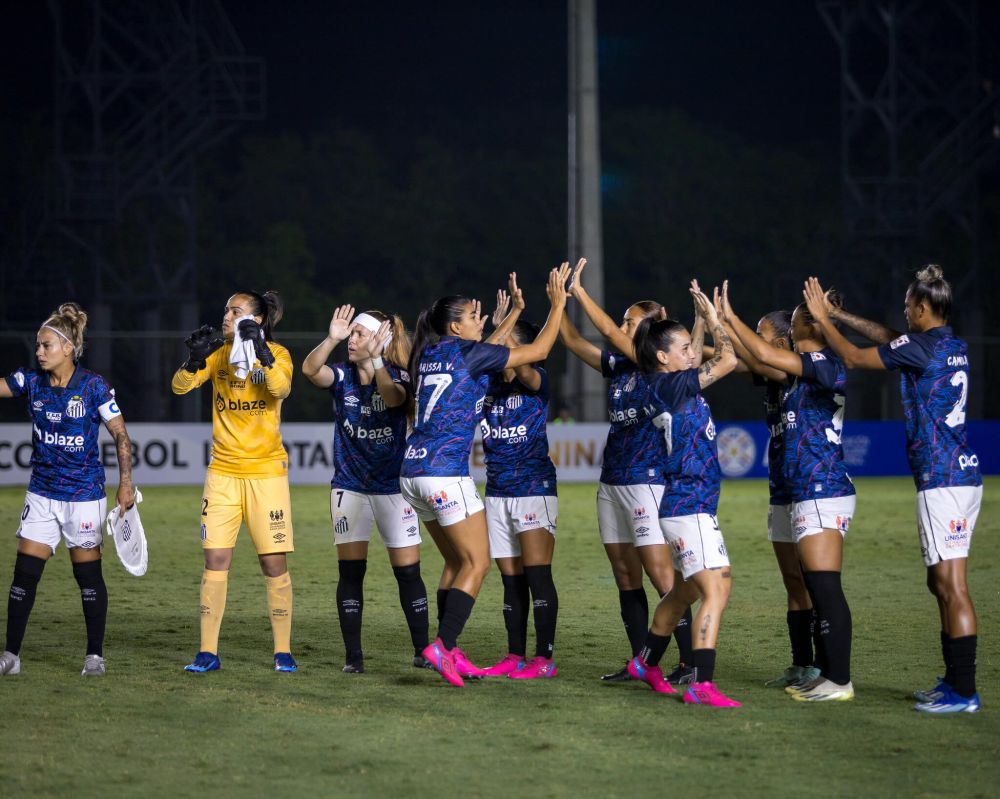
[950,702]
[283,661]
[931,694]
[204,661]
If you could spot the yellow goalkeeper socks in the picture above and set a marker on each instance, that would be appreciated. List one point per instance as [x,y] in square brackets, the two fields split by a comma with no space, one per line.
[279,606]
[214,585]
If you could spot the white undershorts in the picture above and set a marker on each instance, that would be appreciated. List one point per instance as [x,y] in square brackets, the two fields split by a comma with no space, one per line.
[695,542]
[779,524]
[629,514]
[946,518]
[508,517]
[816,515]
[46,521]
[352,514]
[445,500]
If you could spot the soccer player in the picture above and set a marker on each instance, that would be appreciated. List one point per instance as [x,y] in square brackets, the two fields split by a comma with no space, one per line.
[522,508]
[687,512]
[815,474]
[66,499]
[631,482]
[371,394]
[933,366]
[247,479]
[775,329]
[452,368]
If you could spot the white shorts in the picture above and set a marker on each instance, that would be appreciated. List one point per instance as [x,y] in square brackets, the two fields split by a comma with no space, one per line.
[779,524]
[46,521]
[352,515]
[946,518]
[816,515]
[695,543]
[629,514]
[445,500]
[508,517]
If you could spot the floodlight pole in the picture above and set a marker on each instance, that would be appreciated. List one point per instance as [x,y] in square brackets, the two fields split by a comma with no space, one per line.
[584,386]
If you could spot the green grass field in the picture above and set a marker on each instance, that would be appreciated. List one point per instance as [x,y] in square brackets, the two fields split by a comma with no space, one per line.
[150,729]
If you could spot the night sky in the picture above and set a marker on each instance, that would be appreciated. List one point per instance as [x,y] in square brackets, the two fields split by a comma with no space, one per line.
[765,71]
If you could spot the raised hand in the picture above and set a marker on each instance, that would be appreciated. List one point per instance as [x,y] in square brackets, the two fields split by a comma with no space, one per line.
[556,287]
[340,323]
[703,306]
[251,331]
[201,343]
[575,283]
[816,299]
[503,305]
[515,293]
[477,316]
[378,342]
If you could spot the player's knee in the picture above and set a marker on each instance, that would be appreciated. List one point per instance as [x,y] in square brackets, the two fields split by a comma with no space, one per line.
[407,574]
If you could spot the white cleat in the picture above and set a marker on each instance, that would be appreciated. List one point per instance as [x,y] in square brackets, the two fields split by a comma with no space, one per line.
[93,666]
[826,691]
[10,664]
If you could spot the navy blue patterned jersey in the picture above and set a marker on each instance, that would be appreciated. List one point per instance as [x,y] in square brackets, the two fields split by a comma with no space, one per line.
[813,415]
[368,437]
[450,389]
[934,382]
[65,422]
[685,425]
[773,394]
[634,453]
[514,440]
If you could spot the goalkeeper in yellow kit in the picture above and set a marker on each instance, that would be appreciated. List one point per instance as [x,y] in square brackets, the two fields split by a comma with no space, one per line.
[247,478]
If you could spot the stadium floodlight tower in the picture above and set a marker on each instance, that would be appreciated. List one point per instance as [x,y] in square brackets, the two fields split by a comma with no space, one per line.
[584,386]
[919,123]
[141,89]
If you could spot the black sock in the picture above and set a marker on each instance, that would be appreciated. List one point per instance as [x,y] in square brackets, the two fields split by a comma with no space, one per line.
[27,573]
[703,661]
[351,604]
[458,608]
[682,634]
[413,599]
[515,612]
[834,616]
[545,606]
[94,596]
[442,600]
[819,645]
[963,651]
[949,659]
[653,647]
[635,614]
[800,633]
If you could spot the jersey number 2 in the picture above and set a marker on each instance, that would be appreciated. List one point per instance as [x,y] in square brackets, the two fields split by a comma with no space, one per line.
[440,383]
[957,414]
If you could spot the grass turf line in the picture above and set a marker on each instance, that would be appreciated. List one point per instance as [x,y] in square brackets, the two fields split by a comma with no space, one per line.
[150,728]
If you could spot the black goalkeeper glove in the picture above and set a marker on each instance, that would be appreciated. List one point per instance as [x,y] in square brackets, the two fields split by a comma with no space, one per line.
[201,343]
[254,333]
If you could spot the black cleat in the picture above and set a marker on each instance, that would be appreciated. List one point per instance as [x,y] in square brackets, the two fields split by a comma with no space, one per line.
[617,676]
[682,675]
[356,666]
[420,662]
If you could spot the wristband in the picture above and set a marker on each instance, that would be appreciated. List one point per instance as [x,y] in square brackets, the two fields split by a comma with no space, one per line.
[378,363]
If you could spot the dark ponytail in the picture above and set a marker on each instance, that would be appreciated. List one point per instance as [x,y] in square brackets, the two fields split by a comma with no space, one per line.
[651,336]
[269,307]
[930,288]
[432,324]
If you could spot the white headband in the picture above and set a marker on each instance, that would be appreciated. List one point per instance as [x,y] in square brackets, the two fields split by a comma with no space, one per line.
[58,333]
[368,321]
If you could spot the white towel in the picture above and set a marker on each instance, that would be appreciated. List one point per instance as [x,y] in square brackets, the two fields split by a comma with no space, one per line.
[242,355]
[129,536]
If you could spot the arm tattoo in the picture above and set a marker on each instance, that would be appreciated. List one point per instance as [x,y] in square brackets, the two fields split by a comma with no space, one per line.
[873,331]
[723,345]
[124,448]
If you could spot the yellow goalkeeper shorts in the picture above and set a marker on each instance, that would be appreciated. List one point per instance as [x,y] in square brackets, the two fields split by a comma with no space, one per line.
[263,502]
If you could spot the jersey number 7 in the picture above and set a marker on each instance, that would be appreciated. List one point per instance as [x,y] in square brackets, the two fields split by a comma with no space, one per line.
[440,383]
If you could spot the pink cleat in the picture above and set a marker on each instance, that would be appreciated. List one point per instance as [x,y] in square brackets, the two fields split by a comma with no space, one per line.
[464,666]
[443,661]
[705,693]
[509,663]
[651,675]
[535,669]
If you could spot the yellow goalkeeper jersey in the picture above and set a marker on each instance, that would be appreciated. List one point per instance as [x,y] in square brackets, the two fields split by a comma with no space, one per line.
[245,413]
